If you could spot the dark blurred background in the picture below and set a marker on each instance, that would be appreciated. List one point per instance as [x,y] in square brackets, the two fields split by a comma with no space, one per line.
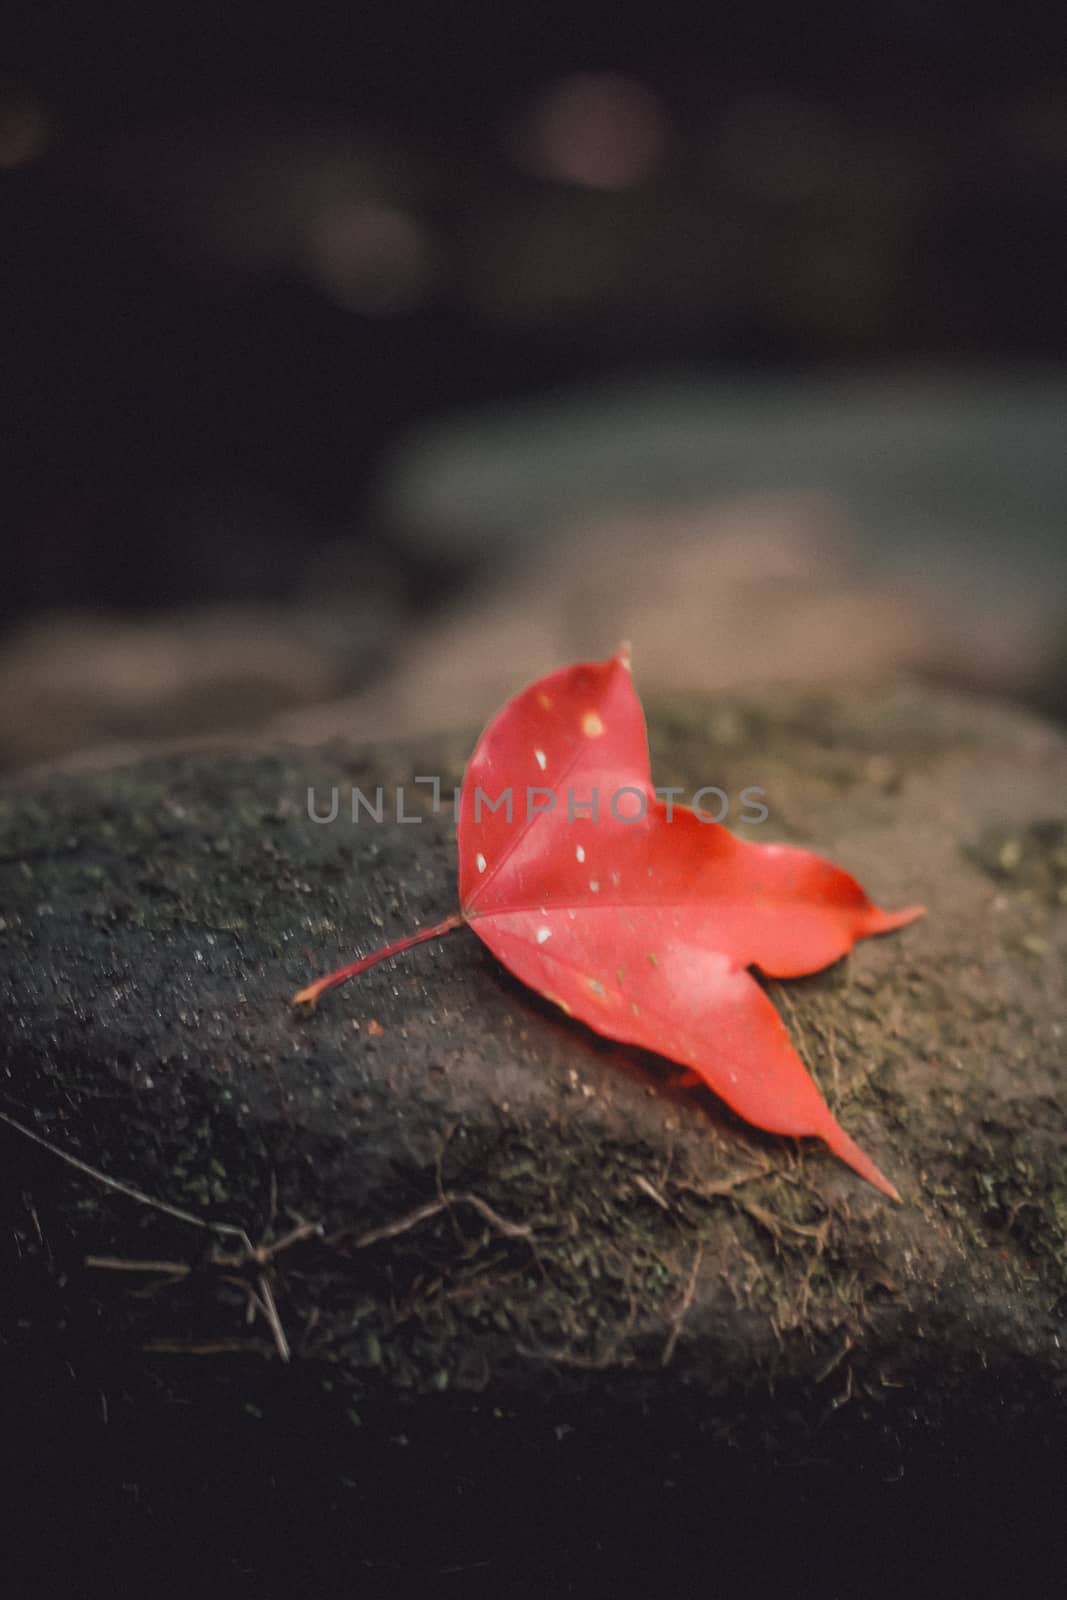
[359,364]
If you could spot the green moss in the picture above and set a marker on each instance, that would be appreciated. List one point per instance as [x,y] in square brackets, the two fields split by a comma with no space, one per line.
[1029,860]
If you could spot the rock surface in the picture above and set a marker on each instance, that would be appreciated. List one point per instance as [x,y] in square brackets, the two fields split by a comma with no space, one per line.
[520,1254]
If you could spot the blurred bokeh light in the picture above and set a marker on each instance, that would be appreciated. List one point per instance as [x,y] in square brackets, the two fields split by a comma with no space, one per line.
[397,337]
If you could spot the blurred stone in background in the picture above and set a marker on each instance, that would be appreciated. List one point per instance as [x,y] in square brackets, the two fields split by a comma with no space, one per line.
[795,530]
[435,352]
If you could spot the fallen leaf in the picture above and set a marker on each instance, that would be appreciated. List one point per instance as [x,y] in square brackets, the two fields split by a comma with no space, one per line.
[637,916]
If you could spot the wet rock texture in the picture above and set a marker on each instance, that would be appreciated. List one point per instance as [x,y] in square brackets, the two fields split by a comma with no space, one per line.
[496,1249]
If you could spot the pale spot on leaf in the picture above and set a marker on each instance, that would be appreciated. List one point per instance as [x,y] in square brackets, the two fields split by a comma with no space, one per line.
[543,934]
[480,861]
[594,887]
[539,757]
[580,853]
[592,726]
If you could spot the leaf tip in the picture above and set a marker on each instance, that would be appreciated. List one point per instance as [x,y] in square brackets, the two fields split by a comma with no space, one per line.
[848,1151]
[890,921]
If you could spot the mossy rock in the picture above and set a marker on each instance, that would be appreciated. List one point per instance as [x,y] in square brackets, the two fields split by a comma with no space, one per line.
[491,1243]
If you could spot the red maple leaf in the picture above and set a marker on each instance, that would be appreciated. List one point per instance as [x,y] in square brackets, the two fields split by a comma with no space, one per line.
[639,917]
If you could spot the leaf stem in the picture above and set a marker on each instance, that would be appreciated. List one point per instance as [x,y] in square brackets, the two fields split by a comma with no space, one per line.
[310,995]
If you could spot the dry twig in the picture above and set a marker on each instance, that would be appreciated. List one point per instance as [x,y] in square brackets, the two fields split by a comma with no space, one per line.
[432,1208]
[127,1189]
[686,1301]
